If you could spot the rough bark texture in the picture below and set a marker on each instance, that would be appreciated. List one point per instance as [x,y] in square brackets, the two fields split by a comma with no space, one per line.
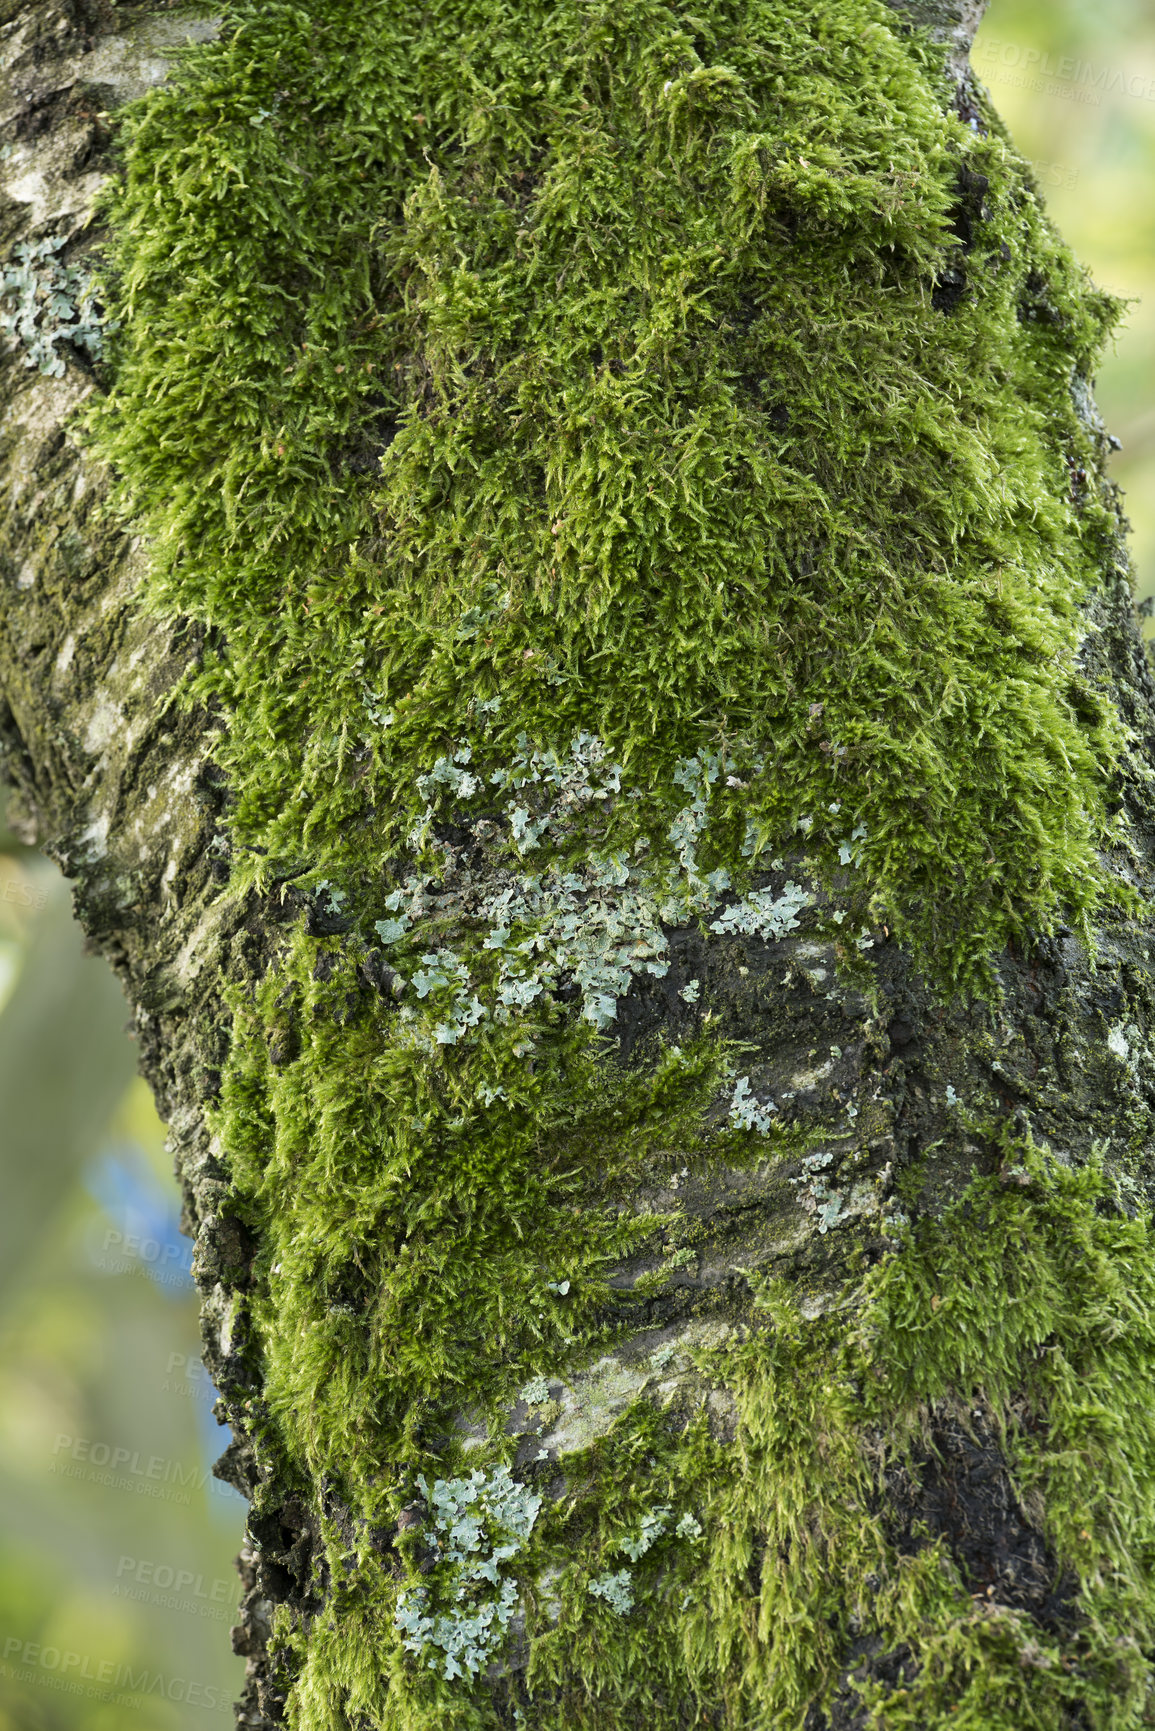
[120,787]
[115,786]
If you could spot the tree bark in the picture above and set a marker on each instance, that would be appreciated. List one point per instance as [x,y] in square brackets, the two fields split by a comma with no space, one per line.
[815,1446]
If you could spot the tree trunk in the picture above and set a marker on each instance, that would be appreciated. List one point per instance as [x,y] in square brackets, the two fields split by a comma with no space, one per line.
[607,742]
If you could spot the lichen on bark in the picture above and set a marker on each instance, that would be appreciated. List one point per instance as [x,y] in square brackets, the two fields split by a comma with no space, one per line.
[678,751]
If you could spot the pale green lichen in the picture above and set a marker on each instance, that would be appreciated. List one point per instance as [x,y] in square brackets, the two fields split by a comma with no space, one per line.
[747,1113]
[458,1619]
[594,918]
[617,1591]
[50,303]
[651,1527]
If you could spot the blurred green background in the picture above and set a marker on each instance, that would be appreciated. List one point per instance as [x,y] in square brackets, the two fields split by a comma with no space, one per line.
[117,1584]
[116,1580]
[1075,82]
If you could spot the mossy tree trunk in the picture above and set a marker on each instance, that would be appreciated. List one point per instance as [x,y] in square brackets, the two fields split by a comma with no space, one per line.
[609,746]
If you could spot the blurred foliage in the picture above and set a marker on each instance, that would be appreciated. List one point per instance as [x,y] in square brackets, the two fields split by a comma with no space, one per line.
[117,1587]
[1075,82]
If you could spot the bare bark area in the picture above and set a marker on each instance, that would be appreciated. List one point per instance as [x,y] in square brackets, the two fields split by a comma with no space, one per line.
[119,787]
[112,783]
[953,21]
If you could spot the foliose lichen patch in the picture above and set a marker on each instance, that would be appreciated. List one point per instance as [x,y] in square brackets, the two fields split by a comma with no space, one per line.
[49,302]
[479,1523]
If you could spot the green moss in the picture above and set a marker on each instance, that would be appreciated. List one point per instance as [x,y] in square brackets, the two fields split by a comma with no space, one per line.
[413,1238]
[1046,1320]
[1032,1299]
[609,515]
[646,304]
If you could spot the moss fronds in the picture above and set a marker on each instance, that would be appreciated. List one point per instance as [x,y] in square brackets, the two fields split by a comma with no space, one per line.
[1027,1312]
[630,465]
[613,362]
[414,1238]
[690,1578]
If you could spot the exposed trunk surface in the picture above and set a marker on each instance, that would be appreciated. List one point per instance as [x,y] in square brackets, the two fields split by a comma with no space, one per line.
[639,927]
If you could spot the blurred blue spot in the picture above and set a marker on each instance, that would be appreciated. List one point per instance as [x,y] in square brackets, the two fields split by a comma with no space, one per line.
[145,1223]
[145,1233]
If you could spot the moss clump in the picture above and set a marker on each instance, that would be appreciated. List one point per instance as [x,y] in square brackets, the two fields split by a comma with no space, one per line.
[1031,1298]
[413,1239]
[624,457]
[1026,1298]
[639,322]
